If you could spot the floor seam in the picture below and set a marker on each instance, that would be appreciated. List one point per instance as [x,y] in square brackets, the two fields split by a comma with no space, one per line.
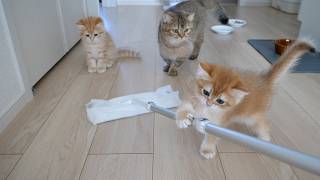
[50,114]
[296,102]
[13,168]
[224,173]
[14,154]
[96,154]
[88,153]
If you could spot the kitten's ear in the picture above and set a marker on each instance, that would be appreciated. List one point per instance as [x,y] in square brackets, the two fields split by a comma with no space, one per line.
[238,94]
[80,25]
[167,17]
[99,23]
[190,17]
[204,71]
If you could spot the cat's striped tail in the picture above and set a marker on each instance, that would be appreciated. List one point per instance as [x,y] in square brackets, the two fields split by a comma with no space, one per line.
[288,59]
[217,8]
[125,53]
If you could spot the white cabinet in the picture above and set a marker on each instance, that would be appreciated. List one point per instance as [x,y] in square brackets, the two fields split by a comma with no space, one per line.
[45,31]
[14,93]
[71,12]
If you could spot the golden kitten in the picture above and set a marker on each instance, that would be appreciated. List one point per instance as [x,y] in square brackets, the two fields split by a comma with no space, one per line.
[224,96]
[101,50]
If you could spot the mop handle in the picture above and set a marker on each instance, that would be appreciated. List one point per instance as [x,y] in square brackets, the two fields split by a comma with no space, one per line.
[298,159]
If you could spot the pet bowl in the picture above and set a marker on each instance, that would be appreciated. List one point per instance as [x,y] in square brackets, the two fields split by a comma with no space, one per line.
[221,29]
[237,22]
[282,44]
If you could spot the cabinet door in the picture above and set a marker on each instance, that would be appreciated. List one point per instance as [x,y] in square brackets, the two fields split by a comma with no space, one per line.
[39,34]
[71,12]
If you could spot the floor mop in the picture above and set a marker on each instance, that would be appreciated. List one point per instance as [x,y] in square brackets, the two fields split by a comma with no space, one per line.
[99,111]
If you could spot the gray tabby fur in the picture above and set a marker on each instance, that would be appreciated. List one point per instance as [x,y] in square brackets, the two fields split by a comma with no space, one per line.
[181,32]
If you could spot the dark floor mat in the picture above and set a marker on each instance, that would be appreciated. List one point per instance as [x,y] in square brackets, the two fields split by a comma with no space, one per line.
[309,63]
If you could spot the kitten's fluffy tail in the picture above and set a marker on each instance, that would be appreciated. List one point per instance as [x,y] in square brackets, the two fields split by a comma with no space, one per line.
[218,9]
[288,59]
[125,53]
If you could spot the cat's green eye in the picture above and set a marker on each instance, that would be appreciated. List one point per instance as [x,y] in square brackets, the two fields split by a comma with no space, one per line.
[186,30]
[175,30]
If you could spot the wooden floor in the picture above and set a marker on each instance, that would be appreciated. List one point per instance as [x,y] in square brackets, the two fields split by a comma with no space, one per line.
[52,139]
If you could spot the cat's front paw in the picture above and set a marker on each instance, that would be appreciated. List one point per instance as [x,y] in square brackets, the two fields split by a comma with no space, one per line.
[109,65]
[173,72]
[101,70]
[92,69]
[183,123]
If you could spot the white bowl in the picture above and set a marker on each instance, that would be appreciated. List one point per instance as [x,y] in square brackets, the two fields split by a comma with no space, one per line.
[237,22]
[222,29]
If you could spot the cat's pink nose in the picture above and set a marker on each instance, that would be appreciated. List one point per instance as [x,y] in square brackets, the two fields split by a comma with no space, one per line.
[209,103]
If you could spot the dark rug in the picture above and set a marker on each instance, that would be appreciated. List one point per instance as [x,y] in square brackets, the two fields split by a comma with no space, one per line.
[309,63]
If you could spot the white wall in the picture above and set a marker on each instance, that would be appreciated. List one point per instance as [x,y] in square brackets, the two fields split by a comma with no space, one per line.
[15,91]
[91,7]
[309,16]
[139,2]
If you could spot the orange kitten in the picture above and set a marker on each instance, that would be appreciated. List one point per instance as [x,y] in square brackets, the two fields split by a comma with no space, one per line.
[224,96]
[101,50]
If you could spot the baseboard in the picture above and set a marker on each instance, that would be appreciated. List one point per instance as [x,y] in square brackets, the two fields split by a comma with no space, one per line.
[139,2]
[14,110]
[254,3]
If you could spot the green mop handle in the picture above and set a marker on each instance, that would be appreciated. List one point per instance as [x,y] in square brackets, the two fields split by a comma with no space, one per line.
[298,159]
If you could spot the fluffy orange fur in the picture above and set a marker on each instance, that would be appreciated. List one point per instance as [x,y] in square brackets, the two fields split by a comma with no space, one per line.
[224,96]
[101,50]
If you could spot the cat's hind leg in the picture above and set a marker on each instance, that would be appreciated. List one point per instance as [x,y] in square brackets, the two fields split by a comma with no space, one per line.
[208,148]
[101,66]
[92,65]
[261,127]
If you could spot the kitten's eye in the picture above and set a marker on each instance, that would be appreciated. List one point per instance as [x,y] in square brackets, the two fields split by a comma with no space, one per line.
[186,30]
[175,31]
[95,34]
[205,92]
[220,101]
[87,35]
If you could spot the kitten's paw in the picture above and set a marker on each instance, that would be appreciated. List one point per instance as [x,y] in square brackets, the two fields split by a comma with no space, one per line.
[101,70]
[265,137]
[201,125]
[109,65]
[207,154]
[193,56]
[183,123]
[92,69]
[173,72]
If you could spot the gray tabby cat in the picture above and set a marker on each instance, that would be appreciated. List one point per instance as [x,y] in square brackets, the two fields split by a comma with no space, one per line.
[181,31]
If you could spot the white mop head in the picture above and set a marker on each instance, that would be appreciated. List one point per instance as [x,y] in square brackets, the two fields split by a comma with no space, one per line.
[99,110]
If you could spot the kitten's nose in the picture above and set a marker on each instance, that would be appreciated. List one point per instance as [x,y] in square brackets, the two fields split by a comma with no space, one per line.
[209,103]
